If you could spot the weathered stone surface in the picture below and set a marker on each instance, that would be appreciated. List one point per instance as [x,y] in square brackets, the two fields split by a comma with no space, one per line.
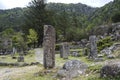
[72,69]
[20,59]
[109,50]
[18,64]
[75,54]
[49,46]
[106,51]
[110,70]
[98,59]
[111,56]
[64,50]
[93,47]
[112,30]
[86,51]
[84,42]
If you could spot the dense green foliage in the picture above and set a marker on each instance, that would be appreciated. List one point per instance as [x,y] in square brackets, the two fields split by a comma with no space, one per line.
[32,37]
[104,14]
[103,43]
[10,38]
[11,18]
[72,21]
[36,16]
[116,17]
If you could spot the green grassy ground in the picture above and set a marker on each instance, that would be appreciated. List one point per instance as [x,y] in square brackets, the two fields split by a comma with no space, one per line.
[92,73]
[27,58]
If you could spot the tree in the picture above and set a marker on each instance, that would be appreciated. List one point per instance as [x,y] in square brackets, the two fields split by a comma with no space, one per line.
[62,23]
[116,17]
[19,42]
[32,37]
[7,33]
[36,17]
[6,39]
[10,39]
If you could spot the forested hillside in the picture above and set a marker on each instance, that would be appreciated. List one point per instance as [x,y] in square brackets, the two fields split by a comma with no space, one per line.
[72,21]
[11,18]
[15,17]
[77,8]
[106,14]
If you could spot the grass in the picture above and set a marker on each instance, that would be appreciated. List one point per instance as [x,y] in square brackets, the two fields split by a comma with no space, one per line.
[27,58]
[37,73]
[7,58]
[92,73]
[60,61]
[80,50]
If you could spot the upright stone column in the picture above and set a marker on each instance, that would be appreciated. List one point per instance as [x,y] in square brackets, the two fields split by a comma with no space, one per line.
[49,46]
[64,50]
[21,57]
[93,47]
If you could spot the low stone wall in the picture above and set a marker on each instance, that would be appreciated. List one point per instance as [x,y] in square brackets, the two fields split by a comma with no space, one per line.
[18,64]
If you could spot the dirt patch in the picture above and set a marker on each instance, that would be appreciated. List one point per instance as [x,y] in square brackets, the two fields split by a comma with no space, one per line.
[8,73]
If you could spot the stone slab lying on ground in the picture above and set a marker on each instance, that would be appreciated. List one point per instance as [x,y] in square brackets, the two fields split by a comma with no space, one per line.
[72,68]
[110,70]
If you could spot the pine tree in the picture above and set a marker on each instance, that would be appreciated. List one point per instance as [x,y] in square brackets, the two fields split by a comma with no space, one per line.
[36,17]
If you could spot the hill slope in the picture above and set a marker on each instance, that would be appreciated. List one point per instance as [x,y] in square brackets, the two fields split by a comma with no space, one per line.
[15,17]
[11,18]
[104,14]
[86,16]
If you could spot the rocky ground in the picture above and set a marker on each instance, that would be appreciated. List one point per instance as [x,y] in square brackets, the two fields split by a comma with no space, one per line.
[27,72]
[6,73]
[9,73]
[39,55]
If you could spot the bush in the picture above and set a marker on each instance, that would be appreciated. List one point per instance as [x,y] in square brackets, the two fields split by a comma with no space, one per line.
[103,43]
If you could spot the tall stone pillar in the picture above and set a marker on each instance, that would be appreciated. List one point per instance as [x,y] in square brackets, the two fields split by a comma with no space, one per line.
[64,50]
[49,46]
[93,47]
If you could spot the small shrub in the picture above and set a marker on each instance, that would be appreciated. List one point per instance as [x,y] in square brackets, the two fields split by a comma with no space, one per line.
[103,43]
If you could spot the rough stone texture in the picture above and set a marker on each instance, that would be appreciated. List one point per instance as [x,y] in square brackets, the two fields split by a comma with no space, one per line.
[106,51]
[98,59]
[111,56]
[76,45]
[20,59]
[72,69]
[18,64]
[110,70]
[109,50]
[64,50]
[75,54]
[84,42]
[93,47]
[86,51]
[49,47]
[112,30]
